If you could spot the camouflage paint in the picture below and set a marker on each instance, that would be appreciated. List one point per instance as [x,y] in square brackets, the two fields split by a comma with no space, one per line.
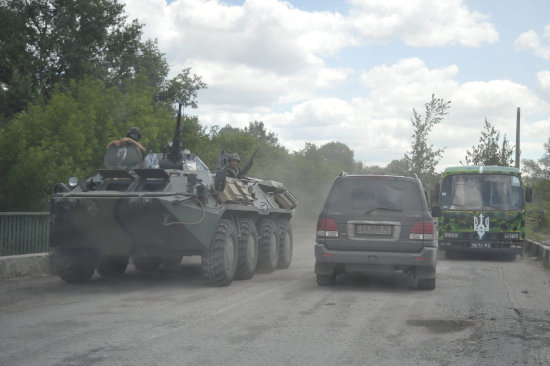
[500,222]
[462,222]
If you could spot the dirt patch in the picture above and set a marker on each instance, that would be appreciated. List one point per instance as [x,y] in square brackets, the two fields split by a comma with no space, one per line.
[441,325]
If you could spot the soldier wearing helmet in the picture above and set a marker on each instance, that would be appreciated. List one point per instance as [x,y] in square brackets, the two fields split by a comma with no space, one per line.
[232,168]
[132,137]
[134,133]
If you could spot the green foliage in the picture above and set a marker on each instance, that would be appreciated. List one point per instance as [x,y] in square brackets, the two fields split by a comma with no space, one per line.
[537,174]
[60,41]
[395,167]
[538,170]
[258,131]
[339,156]
[182,88]
[422,159]
[489,151]
[66,136]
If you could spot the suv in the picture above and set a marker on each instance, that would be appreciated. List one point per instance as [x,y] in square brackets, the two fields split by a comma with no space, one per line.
[376,223]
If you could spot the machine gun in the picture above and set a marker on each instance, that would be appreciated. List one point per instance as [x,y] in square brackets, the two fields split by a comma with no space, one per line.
[248,165]
[175,154]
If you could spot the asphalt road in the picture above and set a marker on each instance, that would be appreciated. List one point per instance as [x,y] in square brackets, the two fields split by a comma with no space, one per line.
[482,312]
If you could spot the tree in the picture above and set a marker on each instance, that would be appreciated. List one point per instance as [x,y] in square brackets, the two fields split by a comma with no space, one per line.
[258,130]
[537,174]
[182,88]
[537,170]
[58,41]
[422,159]
[67,134]
[339,156]
[488,151]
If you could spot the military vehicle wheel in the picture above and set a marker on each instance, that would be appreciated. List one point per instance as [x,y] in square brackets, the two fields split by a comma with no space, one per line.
[75,265]
[285,244]
[111,266]
[268,244]
[219,261]
[146,264]
[248,250]
[326,280]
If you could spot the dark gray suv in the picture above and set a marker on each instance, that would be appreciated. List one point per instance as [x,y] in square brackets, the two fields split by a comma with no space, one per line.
[376,223]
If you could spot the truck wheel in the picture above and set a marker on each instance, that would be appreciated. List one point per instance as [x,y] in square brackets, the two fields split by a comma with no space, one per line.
[248,250]
[285,244]
[219,261]
[75,265]
[326,280]
[111,266]
[268,243]
[146,264]
[425,283]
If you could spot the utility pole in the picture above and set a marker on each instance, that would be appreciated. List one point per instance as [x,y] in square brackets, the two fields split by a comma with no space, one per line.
[517,139]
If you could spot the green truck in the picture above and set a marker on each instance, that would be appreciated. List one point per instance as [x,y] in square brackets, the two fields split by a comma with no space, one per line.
[481,209]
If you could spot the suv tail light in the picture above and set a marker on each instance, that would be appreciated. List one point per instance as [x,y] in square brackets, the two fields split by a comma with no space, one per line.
[327,228]
[422,230]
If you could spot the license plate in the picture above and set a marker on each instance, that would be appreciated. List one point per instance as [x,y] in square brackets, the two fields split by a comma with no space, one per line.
[373,229]
[480,245]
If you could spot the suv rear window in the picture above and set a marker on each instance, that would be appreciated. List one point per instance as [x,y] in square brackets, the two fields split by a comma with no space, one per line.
[375,192]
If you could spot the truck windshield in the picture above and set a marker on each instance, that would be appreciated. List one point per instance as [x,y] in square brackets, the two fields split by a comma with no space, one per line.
[481,192]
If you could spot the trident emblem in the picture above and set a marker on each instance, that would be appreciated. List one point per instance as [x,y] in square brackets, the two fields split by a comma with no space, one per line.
[481,227]
[121,153]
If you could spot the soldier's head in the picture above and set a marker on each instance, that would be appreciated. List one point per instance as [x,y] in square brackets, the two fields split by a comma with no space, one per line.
[134,133]
[234,159]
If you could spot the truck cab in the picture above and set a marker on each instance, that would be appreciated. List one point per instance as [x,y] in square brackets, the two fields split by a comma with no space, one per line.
[482,210]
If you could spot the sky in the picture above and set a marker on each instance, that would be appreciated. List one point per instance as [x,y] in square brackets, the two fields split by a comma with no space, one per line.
[352,71]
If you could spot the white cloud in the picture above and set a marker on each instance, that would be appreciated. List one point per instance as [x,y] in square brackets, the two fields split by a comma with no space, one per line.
[269,61]
[424,23]
[263,34]
[531,41]
[378,129]
[543,87]
[251,56]
[282,49]
[407,82]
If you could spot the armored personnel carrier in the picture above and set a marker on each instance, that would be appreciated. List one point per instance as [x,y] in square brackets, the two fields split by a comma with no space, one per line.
[155,209]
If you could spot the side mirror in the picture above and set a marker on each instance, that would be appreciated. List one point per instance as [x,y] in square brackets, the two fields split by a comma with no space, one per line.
[528,194]
[436,211]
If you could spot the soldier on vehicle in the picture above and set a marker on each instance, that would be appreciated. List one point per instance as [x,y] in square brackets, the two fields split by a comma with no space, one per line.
[232,168]
[132,137]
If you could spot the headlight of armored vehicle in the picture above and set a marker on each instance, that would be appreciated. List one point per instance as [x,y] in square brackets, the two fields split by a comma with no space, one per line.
[73,181]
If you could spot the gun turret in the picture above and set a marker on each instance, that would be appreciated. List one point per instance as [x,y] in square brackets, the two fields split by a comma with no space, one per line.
[222,160]
[175,154]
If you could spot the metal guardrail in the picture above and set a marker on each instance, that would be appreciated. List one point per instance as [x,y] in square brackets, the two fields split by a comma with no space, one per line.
[24,232]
